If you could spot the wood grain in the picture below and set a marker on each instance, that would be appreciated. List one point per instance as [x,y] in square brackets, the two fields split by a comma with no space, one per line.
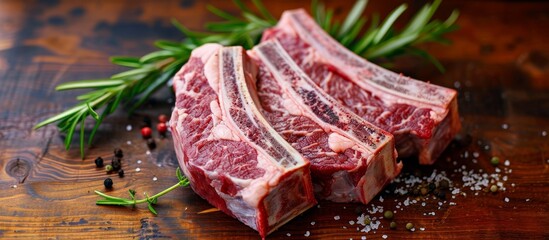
[499,63]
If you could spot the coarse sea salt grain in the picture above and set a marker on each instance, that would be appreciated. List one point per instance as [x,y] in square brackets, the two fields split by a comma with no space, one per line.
[351,222]
[139,161]
[288,234]
[543,133]
[505,126]
[336,217]
[128,127]
[307,233]
[507,163]
[138,169]
[506,199]
[384,236]
[313,223]
[422,228]
[155,178]
[129,142]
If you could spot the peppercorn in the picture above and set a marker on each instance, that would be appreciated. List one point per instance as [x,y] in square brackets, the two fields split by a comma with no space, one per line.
[162,118]
[99,162]
[424,191]
[443,184]
[121,173]
[118,153]
[393,225]
[146,132]
[494,161]
[367,221]
[388,214]
[409,226]
[116,165]
[108,183]
[493,188]
[151,143]
[147,122]
[416,191]
[431,186]
[162,128]
[441,194]
[360,210]
[108,168]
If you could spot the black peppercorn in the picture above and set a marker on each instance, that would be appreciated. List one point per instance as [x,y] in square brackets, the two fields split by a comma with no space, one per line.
[116,164]
[108,183]
[99,162]
[432,186]
[151,143]
[121,173]
[118,153]
[147,122]
[444,184]
[441,194]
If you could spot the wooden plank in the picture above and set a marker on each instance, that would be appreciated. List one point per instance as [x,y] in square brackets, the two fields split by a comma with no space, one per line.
[498,62]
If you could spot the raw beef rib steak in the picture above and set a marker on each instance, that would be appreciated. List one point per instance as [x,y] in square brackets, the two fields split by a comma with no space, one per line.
[233,158]
[351,160]
[422,116]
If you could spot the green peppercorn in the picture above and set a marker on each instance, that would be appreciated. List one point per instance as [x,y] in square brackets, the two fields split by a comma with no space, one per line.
[494,161]
[367,221]
[388,214]
[108,168]
[99,162]
[393,225]
[494,188]
[409,226]
[108,183]
[424,191]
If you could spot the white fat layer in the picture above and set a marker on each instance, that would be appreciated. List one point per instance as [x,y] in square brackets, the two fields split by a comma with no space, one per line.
[290,105]
[216,112]
[339,143]
[205,51]
[260,187]
[221,131]
[211,71]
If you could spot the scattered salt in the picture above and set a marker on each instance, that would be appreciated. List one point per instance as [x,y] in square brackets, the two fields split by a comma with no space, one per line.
[336,217]
[507,163]
[288,234]
[453,203]
[313,223]
[128,127]
[139,161]
[138,169]
[363,238]
[457,84]
[351,222]
[528,199]
[307,233]
[129,142]
[14,186]
[543,133]
[148,152]
[384,236]
[422,228]
[476,154]
[506,199]
[381,199]
[423,204]
[155,178]
[505,126]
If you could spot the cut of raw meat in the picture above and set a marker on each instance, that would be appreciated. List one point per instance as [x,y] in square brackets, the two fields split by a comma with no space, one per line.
[351,160]
[233,158]
[422,116]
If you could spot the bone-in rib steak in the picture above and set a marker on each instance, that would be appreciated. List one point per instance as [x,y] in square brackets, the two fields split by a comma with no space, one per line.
[351,160]
[233,158]
[423,117]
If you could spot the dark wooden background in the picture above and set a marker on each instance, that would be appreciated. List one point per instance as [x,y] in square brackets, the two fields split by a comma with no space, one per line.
[499,63]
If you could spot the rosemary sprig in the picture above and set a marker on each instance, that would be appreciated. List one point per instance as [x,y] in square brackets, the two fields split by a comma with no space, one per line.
[382,40]
[152,200]
[150,72]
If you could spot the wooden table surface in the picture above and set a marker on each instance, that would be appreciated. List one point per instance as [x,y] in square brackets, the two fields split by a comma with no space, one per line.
[499,63]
